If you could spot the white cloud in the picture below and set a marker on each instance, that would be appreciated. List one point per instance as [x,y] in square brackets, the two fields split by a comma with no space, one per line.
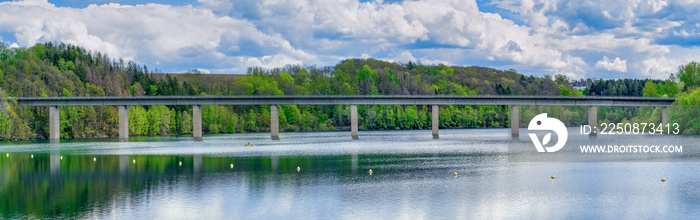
[405,56]
[612,65]
[661,66]
[229,36]
[205,71]
[181,37]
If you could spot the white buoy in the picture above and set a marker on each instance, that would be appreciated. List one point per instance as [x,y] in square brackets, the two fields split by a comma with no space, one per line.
[134,160]
[94,159]
[370,171]
[231,166]
[61,157]
[8,154]
[180,163]
[298,169]
[32,155]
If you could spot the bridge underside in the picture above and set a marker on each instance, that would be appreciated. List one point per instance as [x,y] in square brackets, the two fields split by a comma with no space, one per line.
[54,121]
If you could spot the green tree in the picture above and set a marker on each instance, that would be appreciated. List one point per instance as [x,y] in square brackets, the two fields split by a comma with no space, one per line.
[668,88]
[686,111]
[567,91]
[259,85]
[186,127]
[155,118]
[689,74]
[650,89]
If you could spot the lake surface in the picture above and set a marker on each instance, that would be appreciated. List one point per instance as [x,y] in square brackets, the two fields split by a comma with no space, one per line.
[412,178]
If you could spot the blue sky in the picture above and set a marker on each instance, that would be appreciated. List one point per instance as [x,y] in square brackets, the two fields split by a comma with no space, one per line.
[597,39]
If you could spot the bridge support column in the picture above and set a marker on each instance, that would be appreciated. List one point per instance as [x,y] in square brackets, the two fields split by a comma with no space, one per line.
[593,119]
[54,123]
[353,121]
[514,120]
[197,122]
[436,120]
[664,116]
[123,123]
[274,123]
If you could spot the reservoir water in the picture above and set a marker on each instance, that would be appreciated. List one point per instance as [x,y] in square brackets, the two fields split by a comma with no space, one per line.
[325,175]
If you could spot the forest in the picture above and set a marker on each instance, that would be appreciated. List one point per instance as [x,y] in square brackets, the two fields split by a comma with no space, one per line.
[57,69]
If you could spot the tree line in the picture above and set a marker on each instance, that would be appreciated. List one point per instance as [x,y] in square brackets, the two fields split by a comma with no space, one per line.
[57,69]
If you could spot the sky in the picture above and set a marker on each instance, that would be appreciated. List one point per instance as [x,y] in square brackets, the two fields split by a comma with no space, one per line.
[580,39]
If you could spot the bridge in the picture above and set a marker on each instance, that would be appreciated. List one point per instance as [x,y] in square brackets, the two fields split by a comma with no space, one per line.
[123,103]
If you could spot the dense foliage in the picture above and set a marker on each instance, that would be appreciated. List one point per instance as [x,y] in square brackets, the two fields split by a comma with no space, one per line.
[64,70]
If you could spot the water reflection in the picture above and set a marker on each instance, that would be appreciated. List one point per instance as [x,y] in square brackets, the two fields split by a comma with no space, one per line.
[124,165]
[197,164]
[353,163]
[55,162]
[274,163]
[415,181]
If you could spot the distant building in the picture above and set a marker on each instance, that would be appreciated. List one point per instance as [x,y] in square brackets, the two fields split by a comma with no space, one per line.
[579,85]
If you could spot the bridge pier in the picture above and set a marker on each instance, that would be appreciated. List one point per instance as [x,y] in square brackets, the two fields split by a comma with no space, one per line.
[436,121]
[353,121]
[514,120]
[593,119]
[54,123]
[664,116]
[274,123]
[197,122]
[123,122]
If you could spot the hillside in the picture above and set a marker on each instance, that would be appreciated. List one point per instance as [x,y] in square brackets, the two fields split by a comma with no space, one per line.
[64,70]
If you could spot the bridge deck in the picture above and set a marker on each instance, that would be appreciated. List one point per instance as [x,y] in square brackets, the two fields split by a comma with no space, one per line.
[346,100]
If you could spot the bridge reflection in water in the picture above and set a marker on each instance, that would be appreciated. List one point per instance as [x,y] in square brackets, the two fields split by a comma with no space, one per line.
[39,184]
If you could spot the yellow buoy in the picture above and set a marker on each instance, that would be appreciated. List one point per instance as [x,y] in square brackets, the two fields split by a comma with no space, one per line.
[248,144]
[180,163]
[231,166]
[32,155]
[370,171]
[134,161]
[253,145]
[663,179]
[552,176]
[94,159]
[298,169]
[455,174]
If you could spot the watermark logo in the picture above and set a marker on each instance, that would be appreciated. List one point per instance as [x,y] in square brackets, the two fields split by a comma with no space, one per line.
[542,123]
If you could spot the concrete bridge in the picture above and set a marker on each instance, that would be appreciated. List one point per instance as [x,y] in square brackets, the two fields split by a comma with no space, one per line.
[196,102]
